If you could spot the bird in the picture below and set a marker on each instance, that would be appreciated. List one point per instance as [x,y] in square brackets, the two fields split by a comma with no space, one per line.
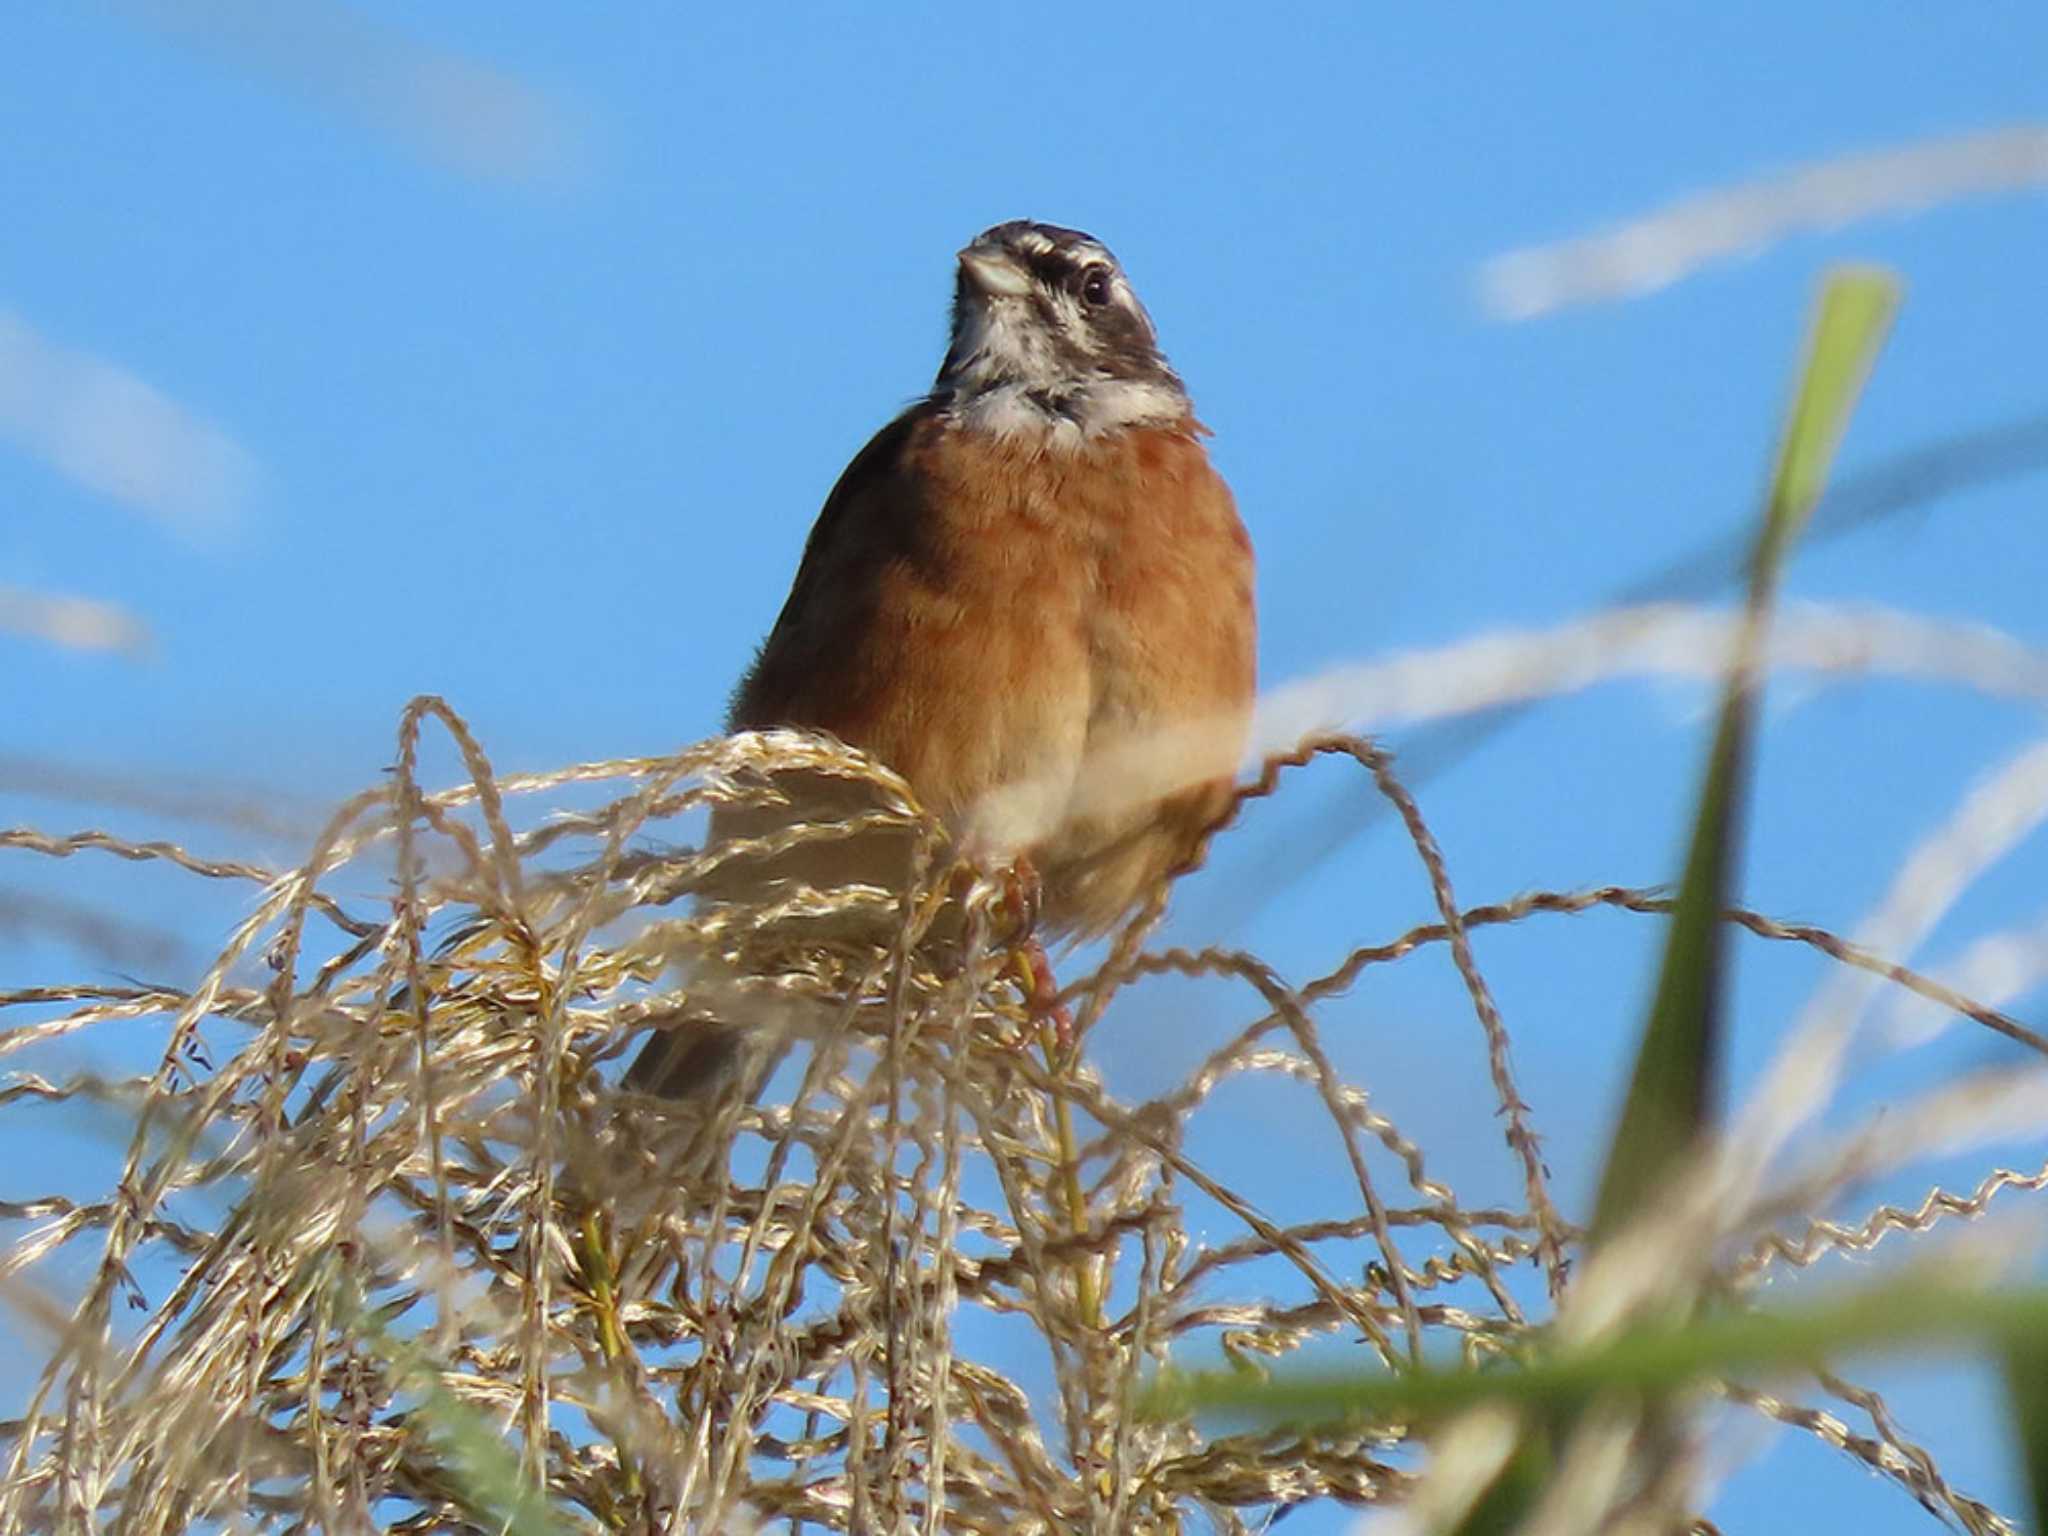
[1031,596]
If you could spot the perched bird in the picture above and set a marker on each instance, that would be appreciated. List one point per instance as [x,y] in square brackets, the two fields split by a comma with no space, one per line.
[1031,596]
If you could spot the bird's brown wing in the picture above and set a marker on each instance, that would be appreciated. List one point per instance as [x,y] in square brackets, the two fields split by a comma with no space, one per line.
[800,677]
[872,520]
[939,622]
[936,622]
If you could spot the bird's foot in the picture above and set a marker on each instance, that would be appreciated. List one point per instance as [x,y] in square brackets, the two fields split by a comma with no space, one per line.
[1022,896]
[1049,1019]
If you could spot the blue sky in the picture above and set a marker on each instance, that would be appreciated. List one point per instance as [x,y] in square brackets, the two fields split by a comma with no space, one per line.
[507,355]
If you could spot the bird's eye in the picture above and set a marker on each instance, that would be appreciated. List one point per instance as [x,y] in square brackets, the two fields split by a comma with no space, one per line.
[1095,286]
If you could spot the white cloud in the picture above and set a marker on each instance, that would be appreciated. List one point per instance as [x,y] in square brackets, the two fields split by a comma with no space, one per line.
[114,434]
[72,623]
[1660,248]
[437,103]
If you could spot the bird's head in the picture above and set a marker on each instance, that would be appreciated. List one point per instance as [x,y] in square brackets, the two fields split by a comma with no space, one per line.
[1049,339]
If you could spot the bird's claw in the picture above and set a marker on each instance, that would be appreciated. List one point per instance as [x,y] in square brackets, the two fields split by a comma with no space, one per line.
[1048,1020]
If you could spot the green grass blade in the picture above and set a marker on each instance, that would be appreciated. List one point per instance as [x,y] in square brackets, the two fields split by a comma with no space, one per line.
[1851,322]
[1653,1360]
[482,1469]
[2026,1389]
[1506,1504]
[1670,1094]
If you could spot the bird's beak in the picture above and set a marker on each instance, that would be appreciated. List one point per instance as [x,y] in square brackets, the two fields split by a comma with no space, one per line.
[995,272]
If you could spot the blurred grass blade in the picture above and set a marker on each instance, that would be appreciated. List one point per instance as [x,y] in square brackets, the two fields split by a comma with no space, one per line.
[1507,1501]
[1853,318]
[481,1468]
[2026,1389]
[1652,1359]
[1670,1094]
